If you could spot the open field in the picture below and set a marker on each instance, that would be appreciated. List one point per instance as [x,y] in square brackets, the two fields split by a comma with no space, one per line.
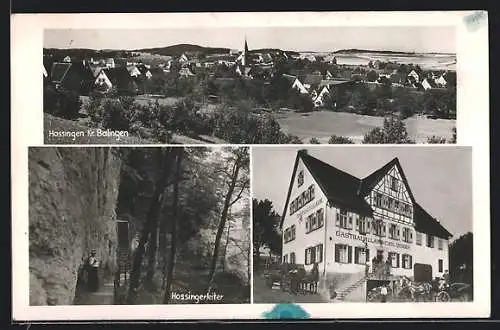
[323,124]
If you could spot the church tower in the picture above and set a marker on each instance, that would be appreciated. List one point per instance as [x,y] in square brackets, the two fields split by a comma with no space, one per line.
[245,53]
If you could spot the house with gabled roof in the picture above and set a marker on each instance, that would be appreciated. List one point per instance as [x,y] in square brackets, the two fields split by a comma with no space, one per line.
[413,77]
[134,71]
[341,222]
[118,78]
[144,71]
[331,88]
[311,81]
[428,83]
[71,77]
[296,83]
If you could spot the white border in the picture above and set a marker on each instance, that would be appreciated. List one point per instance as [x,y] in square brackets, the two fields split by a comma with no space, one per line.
[27,130]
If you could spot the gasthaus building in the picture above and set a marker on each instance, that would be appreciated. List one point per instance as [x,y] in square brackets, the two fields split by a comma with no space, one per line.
[341,222]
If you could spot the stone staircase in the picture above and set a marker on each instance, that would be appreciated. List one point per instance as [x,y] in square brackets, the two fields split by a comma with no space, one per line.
[342,294]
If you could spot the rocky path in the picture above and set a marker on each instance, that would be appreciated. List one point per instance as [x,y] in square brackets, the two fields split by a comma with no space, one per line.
[104,296]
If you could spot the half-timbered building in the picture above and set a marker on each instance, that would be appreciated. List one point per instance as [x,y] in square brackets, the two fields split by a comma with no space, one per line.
[343,223]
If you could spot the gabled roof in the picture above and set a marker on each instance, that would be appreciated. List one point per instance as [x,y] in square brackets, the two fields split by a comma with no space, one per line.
[425,223]
[142,68]
[59,71]
[118,76]
[347,191]
[311,79]
[369,182]
[339,187]
[331,82]
[94,69]
[289,77]
[431,82]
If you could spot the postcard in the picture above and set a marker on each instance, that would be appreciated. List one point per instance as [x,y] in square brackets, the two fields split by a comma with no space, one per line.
[212,166]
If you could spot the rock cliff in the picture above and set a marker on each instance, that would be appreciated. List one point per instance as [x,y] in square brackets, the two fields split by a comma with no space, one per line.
[72,200]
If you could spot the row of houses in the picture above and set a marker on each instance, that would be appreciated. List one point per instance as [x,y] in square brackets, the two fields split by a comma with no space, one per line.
[84,76]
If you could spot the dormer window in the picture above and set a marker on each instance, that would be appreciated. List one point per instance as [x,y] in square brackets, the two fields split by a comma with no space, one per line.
[300,178]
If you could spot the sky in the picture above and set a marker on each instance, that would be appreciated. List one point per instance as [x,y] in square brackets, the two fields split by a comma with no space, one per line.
[319,39]
[440,178]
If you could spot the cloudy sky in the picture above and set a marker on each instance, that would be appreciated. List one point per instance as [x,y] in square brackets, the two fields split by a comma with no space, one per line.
[321,39]
[439,177]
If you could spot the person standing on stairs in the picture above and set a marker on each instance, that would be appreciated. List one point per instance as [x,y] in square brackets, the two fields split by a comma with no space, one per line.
[93,271]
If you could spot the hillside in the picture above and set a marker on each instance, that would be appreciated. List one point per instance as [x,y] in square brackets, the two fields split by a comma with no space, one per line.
[177,50]
[355,51]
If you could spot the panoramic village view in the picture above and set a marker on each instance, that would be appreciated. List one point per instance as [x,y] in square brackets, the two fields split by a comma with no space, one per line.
[189,93]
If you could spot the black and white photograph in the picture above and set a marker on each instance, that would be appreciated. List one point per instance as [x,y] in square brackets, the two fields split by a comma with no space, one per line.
[139,225]
[255,85]
[362,224]
[250,165]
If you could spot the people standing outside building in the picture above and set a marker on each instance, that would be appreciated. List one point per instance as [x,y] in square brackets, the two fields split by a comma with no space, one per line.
[383,293]
[93,271]
[388,266]
[446,277]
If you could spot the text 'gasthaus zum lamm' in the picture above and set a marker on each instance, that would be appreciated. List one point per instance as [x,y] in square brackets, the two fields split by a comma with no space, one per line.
[90,132]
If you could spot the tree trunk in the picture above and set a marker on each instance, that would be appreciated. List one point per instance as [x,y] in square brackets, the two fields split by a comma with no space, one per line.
[222,223]
[173,246]
[225,247]
[151,217]
[152,253]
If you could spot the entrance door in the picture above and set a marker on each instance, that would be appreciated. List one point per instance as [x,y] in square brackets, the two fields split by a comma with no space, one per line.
[380,255]
[422,273]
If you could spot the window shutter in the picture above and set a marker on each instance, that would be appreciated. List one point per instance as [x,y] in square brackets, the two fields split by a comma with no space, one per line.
[367,254]
[410,266]
[349,254]
[397,259]
[337,219]
[306,259]
[337,253]
[350,222]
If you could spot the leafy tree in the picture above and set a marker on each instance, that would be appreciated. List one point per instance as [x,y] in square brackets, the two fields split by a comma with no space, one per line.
[393,131]
[435,140]
[314,141]
[61,103]
[237,180]
[461,259]
[335,139]
[265,229]
[372,76]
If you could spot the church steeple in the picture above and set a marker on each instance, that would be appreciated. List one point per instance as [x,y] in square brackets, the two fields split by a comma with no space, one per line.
[245,53]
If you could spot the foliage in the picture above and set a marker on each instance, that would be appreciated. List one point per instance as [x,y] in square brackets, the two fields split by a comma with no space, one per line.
[314,141]
[436,140]
[461,259]
[265,228]
[61,103]
[371,76]
[392,132]
[335,139]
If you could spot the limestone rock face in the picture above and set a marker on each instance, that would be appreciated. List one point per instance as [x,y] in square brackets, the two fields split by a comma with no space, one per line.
[72,200]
